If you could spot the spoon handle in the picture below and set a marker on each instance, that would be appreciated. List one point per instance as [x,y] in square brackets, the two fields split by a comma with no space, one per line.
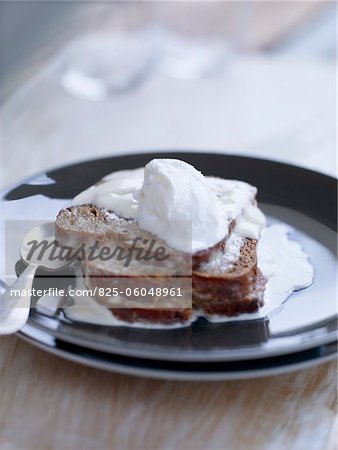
[15,305]
[2,288]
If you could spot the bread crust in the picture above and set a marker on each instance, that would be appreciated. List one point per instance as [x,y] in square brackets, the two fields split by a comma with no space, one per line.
[231,292]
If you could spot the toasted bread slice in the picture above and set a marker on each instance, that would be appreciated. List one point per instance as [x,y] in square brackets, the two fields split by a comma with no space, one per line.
[225,287]
[88,224]
[219,287]
[220,284]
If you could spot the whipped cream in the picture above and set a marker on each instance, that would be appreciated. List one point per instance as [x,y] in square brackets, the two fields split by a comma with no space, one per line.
[178,205]
[175,202]
[237,200]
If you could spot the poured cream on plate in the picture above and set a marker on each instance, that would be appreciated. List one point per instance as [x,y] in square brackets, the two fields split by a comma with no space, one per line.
[285,266]
[86,309]
[283,263]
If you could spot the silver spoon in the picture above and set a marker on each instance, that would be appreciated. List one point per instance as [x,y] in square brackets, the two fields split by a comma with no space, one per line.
[14,310]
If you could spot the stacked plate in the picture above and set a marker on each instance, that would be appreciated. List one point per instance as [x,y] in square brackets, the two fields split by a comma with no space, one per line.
[302,333]
[203,351]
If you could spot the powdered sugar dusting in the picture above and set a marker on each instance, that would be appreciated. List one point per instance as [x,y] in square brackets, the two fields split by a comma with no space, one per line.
[223,259]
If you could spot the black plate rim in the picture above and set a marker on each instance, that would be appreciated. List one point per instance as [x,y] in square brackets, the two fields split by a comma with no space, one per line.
[132,154]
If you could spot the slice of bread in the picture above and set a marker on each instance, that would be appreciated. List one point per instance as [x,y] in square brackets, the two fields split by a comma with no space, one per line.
[218,287]
[225,287]
[220,284]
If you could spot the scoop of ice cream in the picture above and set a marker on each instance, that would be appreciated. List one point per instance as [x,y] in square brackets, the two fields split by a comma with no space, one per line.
[176,204]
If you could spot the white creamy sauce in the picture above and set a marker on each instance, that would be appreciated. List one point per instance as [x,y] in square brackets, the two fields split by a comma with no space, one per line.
[215,318]
[115,193]
[285,266]
[48,304]
[237,201]
[89,311]
[222,260]
[86,309]
[250,223]
[283,263]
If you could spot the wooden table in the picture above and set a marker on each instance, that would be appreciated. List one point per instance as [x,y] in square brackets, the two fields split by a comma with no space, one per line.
[50,403]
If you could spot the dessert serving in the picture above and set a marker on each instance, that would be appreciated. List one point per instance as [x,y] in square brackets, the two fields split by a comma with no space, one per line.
[184,229]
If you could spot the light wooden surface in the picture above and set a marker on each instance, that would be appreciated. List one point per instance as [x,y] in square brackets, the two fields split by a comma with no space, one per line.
[49,403]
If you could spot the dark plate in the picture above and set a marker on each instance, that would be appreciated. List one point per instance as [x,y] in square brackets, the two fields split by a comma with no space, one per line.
[180,370]
[302,198]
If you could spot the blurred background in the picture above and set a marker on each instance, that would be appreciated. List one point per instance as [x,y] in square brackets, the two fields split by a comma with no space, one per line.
[83,80]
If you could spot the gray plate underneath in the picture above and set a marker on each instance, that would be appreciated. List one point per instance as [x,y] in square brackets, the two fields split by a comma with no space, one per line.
[210,371]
